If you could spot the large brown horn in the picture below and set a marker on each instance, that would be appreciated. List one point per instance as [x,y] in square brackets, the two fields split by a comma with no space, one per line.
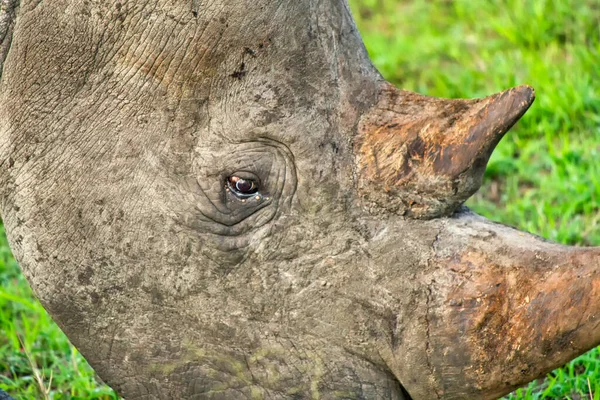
[423,156]
[499,308]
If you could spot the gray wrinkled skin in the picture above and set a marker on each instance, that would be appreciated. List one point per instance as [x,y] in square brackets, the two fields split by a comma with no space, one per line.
[120,124]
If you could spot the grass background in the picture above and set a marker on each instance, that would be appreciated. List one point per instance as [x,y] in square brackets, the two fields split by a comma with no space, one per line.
[543,177]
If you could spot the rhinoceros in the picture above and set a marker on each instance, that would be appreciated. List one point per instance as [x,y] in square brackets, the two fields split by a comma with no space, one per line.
[225,200]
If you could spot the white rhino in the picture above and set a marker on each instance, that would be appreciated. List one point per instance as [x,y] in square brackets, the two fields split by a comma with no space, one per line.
[223,199]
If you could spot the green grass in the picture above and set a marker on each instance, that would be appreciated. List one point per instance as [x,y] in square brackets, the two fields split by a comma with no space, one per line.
[36,359]
[544,176]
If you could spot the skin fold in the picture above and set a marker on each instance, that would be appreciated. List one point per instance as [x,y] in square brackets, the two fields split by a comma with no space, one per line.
[351,272]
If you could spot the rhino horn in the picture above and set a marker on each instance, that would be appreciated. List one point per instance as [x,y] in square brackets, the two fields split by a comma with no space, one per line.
[499,308]
[424,156]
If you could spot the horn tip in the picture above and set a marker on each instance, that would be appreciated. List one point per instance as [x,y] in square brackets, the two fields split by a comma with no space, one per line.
[524,95]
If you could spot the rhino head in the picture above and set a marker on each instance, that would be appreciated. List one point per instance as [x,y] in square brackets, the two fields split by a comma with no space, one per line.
[224,199]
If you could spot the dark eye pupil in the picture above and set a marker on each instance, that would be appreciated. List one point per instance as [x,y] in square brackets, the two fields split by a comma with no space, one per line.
[241,186]
[244,186]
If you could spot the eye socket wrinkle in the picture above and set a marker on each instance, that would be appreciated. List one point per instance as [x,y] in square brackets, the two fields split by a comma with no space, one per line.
[241,188]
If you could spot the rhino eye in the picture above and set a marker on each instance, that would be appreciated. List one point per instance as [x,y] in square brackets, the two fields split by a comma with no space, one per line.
[242,187]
